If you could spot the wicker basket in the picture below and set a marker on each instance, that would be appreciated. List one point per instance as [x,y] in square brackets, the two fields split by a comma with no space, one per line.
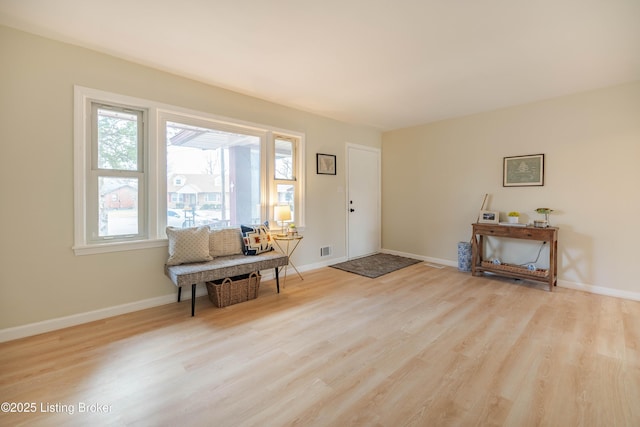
[516,269]
[233,290]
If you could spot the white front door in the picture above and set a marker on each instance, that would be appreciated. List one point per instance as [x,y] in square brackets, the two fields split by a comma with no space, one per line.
[363,201]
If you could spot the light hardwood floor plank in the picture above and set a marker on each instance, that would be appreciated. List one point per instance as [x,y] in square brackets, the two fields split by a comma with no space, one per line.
[418,347]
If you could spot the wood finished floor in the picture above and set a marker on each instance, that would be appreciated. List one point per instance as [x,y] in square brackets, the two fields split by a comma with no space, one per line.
[418,347]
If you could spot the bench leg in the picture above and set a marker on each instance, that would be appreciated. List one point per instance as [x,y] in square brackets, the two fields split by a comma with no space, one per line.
[193,300]
[277,280]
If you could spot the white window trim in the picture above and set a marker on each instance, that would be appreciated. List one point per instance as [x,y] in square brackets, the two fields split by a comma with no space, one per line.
[156,169]
[83,97]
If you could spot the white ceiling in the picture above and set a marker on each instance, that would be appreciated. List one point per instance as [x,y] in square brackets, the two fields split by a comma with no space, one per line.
[384,63]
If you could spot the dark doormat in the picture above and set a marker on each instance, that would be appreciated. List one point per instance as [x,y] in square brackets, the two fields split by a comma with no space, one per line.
[375,265]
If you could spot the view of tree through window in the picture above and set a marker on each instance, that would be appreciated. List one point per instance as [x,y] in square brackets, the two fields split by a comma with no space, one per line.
[284,159]
[117,140]
[213,177]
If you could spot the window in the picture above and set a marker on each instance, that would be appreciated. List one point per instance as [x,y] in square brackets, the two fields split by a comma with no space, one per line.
[285,172]
[216,165]
[117,171]
[141,166]
[225,176]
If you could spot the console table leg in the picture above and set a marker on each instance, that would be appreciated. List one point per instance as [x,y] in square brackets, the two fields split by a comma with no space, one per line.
[553,265]
[477,243]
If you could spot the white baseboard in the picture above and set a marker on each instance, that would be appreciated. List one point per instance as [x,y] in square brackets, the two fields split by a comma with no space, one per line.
[77,319]
[322,264]
[441,261]
[31,329]
[599,290]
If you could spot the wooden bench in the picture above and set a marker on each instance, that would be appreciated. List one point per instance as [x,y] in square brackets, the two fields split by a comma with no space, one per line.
[222,267]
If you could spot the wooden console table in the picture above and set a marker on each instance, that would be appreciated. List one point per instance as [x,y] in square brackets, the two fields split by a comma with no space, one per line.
[479,265]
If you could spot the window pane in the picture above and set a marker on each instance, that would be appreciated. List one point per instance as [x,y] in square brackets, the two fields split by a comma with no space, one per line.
[213,177]
[284,159]
[286,197]
[117,140]
[118,210]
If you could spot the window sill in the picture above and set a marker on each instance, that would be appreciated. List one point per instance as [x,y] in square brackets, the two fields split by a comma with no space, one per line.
[118,246]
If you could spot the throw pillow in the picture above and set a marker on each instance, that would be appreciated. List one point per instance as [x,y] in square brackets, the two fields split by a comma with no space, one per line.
[225,242]
[256,240]
[188,245]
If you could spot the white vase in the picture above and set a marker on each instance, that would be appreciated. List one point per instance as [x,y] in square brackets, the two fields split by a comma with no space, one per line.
[513,219]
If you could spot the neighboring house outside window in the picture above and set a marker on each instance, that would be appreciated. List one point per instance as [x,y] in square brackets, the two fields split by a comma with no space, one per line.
[121,197]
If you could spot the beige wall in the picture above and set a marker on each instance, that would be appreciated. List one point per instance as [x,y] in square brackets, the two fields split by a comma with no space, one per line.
[40,277]
[434,178]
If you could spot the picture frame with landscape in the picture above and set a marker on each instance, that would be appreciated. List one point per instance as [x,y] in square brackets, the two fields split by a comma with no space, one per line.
[523,171]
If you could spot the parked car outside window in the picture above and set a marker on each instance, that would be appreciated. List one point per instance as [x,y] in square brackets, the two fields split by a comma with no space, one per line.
[175,219]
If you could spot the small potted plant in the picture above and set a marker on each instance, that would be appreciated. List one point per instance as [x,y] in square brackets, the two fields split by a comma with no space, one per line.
[513,217]
[293,231]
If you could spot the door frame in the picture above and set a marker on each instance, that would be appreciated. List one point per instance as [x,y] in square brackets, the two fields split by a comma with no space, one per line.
[348,147]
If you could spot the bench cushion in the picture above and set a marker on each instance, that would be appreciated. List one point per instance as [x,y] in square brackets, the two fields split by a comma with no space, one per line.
[227,241]
[188,245]
[221,267]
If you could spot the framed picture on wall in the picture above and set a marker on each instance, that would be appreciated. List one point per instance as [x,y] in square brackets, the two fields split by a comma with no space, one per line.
[523,171]
[325,164]
[489,217]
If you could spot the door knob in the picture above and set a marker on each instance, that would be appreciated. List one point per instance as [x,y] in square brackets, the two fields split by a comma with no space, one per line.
[352,210]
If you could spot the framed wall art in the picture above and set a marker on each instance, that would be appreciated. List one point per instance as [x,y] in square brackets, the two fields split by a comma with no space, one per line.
[489,217]
[325,164]
[523,171]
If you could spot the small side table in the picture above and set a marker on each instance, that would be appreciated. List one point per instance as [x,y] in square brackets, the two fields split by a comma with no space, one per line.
[287,245]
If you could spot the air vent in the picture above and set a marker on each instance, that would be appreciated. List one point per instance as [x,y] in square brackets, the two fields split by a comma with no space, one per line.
[325,251]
